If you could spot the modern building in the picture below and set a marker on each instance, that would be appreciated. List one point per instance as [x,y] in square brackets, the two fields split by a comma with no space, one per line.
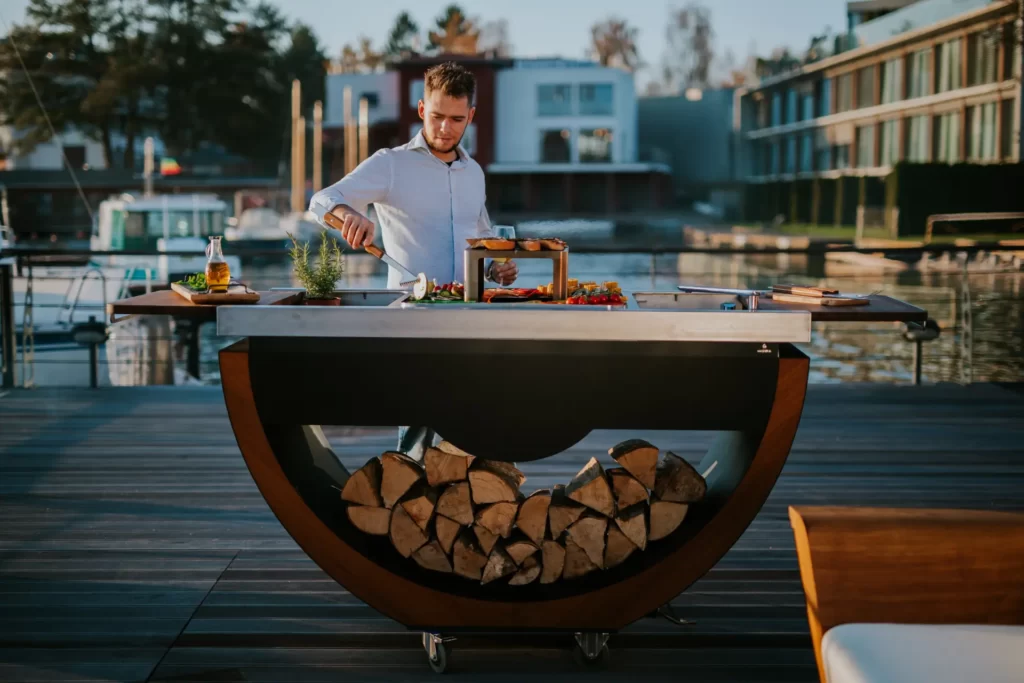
[934,81]
[552,135]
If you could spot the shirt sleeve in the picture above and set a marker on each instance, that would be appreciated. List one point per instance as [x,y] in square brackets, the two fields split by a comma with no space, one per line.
[483,223]
[370,182]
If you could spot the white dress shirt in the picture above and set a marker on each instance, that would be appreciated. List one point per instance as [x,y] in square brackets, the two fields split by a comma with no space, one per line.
[426,208]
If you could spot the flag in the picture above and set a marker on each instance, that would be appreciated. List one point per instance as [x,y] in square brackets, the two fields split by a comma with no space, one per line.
[168,166]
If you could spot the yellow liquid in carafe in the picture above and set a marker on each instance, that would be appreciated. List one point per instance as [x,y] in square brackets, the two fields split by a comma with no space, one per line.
[218,275]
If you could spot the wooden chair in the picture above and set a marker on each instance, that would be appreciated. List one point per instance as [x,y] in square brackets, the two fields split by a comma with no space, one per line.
[910,566]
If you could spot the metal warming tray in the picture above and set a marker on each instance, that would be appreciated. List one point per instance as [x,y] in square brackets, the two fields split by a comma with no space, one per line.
[394,317]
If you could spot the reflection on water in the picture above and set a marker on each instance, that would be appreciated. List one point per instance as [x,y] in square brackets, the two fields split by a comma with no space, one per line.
[981,316]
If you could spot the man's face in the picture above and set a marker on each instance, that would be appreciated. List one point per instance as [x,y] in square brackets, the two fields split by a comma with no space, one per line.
[444,120]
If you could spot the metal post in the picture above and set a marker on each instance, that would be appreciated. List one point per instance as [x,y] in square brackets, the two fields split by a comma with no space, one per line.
[92,361]
[917,362]
[7,339]
[192,351]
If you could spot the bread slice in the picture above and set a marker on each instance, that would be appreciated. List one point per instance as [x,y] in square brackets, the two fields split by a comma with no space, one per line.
[491,244]
[552,244]
[529,245]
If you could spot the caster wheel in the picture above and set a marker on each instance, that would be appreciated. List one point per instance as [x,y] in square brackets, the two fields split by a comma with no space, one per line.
[437,653]
[439,662]
[600,661]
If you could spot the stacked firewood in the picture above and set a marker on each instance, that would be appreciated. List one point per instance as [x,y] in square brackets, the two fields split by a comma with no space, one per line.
[459,514]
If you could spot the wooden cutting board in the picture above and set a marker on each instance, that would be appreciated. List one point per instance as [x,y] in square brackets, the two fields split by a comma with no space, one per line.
[236,294]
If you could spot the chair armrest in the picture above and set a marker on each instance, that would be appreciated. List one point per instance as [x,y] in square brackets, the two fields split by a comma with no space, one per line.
[917,566]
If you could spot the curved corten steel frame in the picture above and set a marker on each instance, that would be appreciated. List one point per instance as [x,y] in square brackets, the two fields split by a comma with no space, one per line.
[267,420]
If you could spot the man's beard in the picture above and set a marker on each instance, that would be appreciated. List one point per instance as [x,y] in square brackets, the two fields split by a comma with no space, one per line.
[436,148]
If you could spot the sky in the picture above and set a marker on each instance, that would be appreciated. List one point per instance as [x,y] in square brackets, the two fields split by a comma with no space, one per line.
[545,28]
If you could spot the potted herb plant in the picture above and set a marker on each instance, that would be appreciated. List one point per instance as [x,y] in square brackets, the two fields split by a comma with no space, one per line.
[319,278]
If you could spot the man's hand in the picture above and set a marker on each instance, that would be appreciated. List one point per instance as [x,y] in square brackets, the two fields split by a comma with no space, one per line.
[504,273]
[357,230]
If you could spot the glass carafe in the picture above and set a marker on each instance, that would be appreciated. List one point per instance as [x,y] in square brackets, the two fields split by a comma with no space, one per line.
[218,274]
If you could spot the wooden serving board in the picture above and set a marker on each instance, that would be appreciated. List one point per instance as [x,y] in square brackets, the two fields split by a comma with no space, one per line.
[236,294]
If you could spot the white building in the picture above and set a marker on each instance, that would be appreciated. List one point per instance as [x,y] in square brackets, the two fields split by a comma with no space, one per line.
[565,113]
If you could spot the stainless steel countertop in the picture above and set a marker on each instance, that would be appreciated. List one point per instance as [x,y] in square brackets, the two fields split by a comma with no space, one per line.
[387,314]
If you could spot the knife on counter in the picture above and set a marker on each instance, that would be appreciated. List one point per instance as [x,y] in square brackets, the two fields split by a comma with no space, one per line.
[333,221]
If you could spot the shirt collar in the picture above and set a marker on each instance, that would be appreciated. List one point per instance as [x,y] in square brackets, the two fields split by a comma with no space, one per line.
[420,143]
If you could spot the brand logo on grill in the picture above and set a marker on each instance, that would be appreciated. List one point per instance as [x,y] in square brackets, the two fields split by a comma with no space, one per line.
[764,349]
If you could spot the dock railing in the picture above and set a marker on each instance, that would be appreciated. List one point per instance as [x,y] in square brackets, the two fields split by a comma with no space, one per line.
[19,260]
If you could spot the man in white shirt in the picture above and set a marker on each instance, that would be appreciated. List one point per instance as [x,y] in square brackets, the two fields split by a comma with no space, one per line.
[429,196]
[428,193]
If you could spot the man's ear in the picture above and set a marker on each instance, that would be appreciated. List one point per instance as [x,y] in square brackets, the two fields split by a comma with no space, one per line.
[419,110]
[472,110]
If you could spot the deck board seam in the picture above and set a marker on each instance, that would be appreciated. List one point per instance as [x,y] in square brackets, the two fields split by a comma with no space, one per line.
[174,643]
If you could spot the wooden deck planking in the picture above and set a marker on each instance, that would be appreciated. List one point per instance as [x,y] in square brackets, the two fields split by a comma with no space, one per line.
[128,551]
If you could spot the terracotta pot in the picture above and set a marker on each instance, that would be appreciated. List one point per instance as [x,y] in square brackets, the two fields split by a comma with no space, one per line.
[333,301]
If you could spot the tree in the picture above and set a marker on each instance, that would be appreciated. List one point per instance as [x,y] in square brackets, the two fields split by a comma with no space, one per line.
[613,43]
[493,39]
[456,34]
[370,59]
[63,53]
[403,39]
[303,59]
[690,54]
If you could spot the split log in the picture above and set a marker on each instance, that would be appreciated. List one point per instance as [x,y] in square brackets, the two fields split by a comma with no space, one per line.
[590,487]
[467,559]
[678,482]
[370,520]
[499,565]
[431,556]
[588,533]
[633,524]
[452,449]
[492,481]
[532,519]
[617,548]
[363,487]
[406,535]
[520,548]
[419,502]
[485,538]
[627,489]
[576,561]
[562,512]
[444,468]
[454,503]
[497,518]
[666,517]
[400,472]
[446,531]
[552,561]
[639,458]
[528,572]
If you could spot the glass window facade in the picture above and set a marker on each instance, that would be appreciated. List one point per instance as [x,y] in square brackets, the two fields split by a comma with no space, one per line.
[554,100]
[844,93]
[946,138]
[892,81]
[790,165]
[981,132]
[866,146]
[595,145]
[597,99]
[1006,132]
[866,87]
[919,73]
[917,141]
[890,149]
[555,147]
[982,57]
[825,98]
[806,152]
[949,67]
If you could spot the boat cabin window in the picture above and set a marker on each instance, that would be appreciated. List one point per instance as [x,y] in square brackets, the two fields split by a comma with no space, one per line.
[142,229]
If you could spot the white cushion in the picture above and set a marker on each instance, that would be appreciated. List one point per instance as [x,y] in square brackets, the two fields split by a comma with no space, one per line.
[919,653]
